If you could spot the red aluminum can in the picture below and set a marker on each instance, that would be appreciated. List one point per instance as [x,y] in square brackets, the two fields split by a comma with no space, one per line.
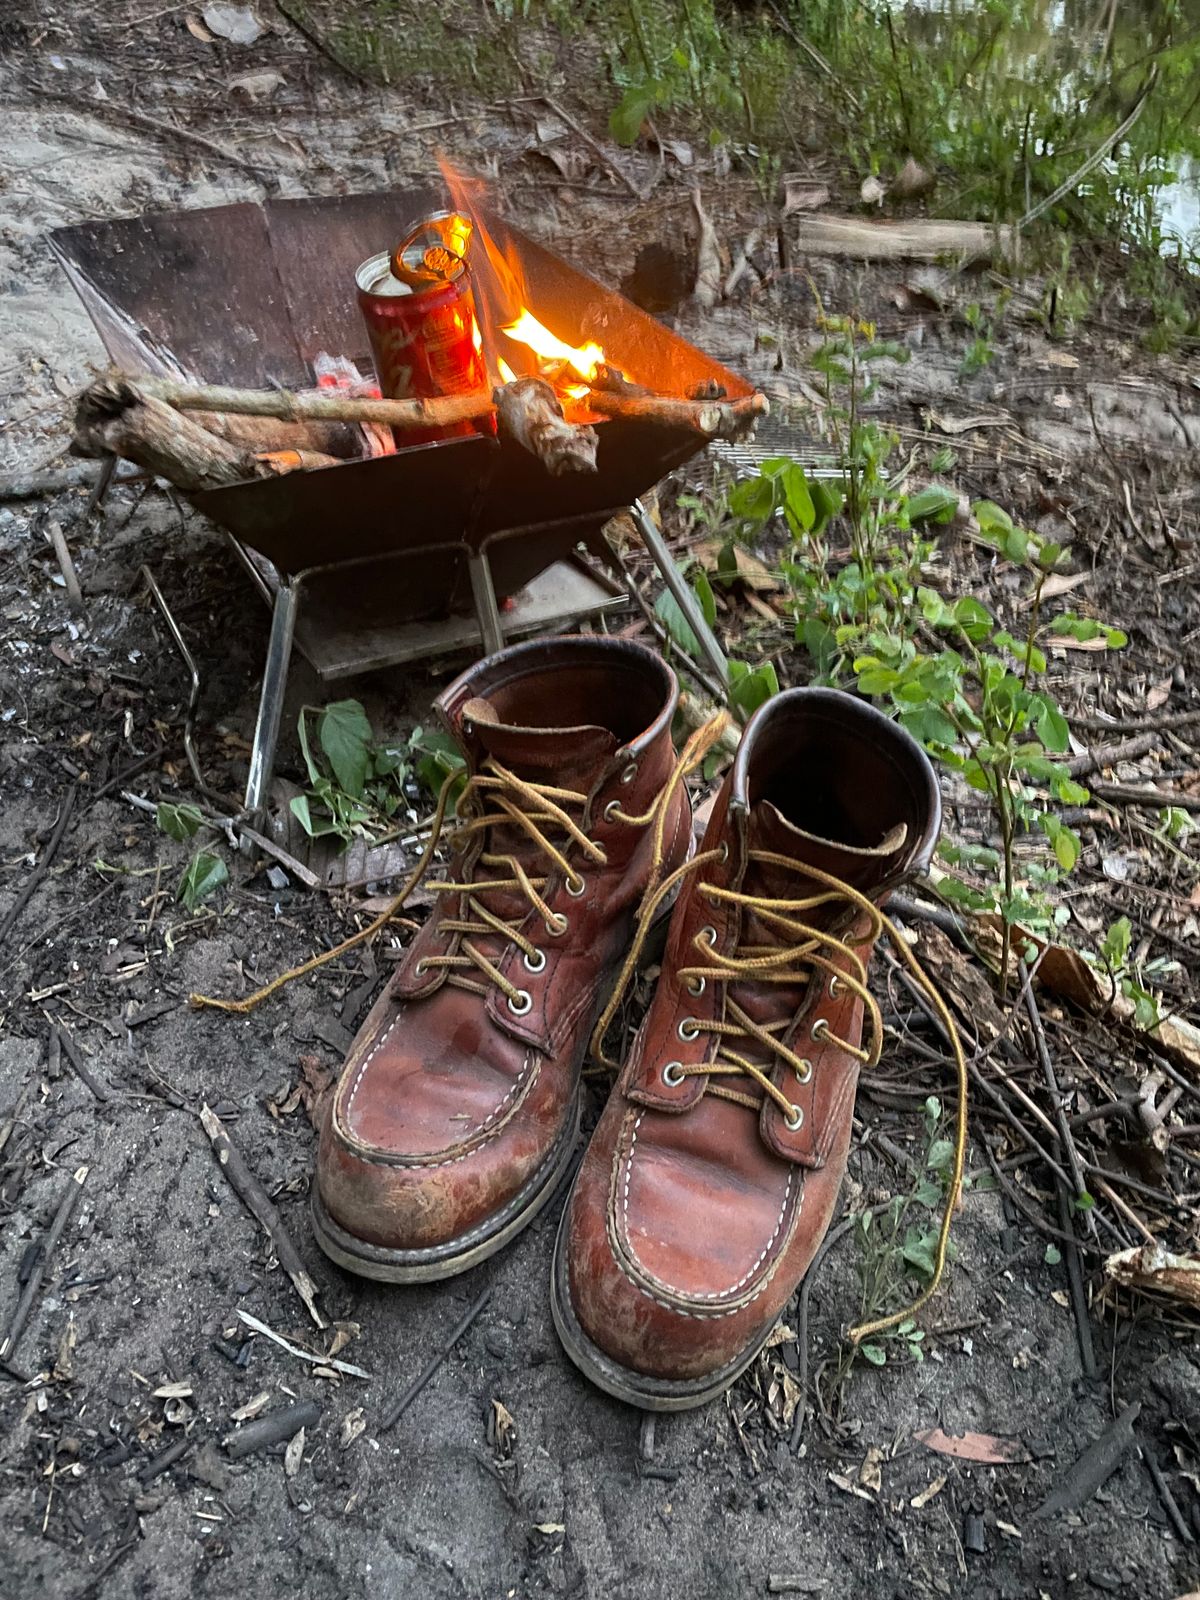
[425,341]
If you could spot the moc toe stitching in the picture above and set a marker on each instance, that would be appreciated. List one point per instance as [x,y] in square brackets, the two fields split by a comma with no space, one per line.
[477,1137]
[686,1302]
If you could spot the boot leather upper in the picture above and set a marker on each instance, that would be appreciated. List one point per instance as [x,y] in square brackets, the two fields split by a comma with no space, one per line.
[693,1218]
[449,1101]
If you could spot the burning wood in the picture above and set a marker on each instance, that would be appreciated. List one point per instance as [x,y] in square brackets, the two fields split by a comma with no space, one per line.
[714,419]
[528,410]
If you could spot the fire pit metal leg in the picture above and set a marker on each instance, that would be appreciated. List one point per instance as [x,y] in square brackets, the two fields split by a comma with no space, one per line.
[486,608]
[682,592]
[274,686]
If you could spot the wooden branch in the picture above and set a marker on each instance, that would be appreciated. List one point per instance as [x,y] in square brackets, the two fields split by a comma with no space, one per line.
[115,418]
[262,1209]
[320,405]
[714,419]
[529,412]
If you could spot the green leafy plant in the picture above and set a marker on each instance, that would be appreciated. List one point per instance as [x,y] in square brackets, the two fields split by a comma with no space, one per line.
[205,873]
[357,783]
[897,1242]
[982,707]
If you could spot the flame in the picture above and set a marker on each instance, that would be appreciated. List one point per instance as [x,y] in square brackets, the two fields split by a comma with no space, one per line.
[584,359]
[502,303]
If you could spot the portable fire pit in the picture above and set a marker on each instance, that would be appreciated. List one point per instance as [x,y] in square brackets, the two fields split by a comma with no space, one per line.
[250,296]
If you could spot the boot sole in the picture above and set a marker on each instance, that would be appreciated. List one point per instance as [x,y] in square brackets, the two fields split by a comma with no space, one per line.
[386,1265]
[623,1383]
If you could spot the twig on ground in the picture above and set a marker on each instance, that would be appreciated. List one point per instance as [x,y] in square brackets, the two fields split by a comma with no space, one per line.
[1169,1504]
[1167,723]
[66,565]
[594,145]
[66,1206]
[1129,794]
[263,1210]
[276,1428]
[75,1056]
[300,1353]
[1107,755]
[431,1366]
[1094,1467]
[45,861]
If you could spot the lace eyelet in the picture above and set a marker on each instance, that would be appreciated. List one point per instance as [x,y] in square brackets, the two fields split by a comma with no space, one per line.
[630,773]
[613,805]
[805,1071]
[793,1122]
[687,1030]
[672,1074]
[534,966]
[819,1029]
[708,935]
[723,856]
[835,986]
[575,893]
[696,986]
[420,969]
[522,1004]
[556,928]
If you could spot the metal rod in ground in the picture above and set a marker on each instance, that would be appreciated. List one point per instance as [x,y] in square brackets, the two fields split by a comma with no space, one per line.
[435,1361]
[681,591]
[276,1428]
[1169,1503]
[62,1217]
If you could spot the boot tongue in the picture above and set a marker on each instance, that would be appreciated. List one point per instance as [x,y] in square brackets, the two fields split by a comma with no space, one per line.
[862,866]
[563,758]
[569,758]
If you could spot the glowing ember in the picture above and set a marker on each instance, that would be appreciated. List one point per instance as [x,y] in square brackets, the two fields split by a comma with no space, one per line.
[584,359]
[507,375]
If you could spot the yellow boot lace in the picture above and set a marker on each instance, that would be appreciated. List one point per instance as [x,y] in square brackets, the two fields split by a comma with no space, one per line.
[496,796]
[807,950]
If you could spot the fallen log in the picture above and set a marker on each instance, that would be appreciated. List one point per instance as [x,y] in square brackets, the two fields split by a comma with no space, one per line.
[528,410]
[914,239]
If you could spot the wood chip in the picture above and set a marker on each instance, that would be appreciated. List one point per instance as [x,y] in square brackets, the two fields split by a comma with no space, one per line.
[920,1501]
[985,1447]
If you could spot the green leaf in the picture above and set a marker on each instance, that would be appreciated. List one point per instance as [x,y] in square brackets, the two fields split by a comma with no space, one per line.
[994,522]
[634,106]
[751,687]
[927,1193]
[918,1251]
[1053,1255]
[1084,1201]
[932,504]
[941,1155]
[1114,952]
[345,736]
[181,822]
[827,503]
[873,1353]
[703,592]
[1051,726]
[204,874]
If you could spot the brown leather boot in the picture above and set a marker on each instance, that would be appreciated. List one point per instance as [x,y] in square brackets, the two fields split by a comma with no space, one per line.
[711,1178]
[457,1110]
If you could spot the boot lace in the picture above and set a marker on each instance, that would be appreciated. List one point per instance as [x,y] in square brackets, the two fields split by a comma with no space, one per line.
[808,953]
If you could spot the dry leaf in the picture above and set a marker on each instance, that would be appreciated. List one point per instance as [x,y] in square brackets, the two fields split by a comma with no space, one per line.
[779,1334]
[353,1424]
[870,1474]
[1059,1296]
[238,24]
[504,1427]
[343,1332]
[251,1408]
[708,258]
[294,1454]
[872,192]
[1061,583]
[912,181]
[1007,1528]
[197,30]
[550,1527]
[985,1447]
[920,1501]
[803,194]
[173,1391]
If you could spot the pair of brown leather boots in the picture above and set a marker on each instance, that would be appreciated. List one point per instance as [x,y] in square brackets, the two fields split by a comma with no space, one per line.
[712,1176]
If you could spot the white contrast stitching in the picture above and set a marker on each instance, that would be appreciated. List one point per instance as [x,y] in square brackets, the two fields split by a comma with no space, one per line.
[670,1288]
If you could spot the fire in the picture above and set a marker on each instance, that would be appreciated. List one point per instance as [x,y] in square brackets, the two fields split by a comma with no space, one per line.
[584,359]
[507,375]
